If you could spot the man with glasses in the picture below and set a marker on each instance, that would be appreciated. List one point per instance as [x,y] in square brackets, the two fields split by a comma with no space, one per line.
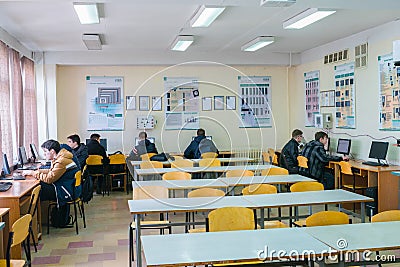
[288,157]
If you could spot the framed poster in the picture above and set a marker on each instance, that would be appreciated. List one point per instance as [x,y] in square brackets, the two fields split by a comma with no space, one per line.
[144,103]
[156,103]
[219,103]
[231,102]
[130,102]
[327,98]
[206,104]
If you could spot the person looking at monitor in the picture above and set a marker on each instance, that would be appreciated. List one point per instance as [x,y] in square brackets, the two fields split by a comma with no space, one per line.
[199,145]
[144,146]
[288,157]
[79,149]
[317,160]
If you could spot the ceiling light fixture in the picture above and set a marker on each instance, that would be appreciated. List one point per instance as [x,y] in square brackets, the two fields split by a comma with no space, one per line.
[258,43]
[205,15]
[87,13]
[182,42]
[306,18]
[92,41]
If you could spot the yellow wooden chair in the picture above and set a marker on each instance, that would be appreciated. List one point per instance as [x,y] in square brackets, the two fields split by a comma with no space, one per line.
[327,218]
[302,162]
[273,157]
[386,216]
[117,168]
[275,171]
[209,162]
[151,165]
[148,192]
[182,163]
[95,168]
[207,155]
[239,173]
[19,233]
[32,211]
[147,156]
[176,176]
[304,187]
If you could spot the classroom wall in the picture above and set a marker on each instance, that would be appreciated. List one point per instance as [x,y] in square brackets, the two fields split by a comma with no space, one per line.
[215,79]
[380,41]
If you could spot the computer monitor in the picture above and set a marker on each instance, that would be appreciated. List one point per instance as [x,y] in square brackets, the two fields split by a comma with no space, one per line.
[378,150]
[6,166]
[151,139]
[35,154]
[23,159]
[209,137]
[103,142]
[343,146]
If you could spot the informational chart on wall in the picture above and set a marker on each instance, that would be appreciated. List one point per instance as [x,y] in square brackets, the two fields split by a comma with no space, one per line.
[182,103]
[105,103]
[345,96]
[255,101]
[311,86]
[389,94]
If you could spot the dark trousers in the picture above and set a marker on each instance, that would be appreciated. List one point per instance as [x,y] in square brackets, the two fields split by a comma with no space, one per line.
[48,192]
[328,180]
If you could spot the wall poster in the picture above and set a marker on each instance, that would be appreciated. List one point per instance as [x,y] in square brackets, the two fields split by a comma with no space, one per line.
[345,96]
[311,85]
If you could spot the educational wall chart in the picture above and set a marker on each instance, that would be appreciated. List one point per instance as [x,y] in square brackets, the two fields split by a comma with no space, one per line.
[311,85]
[105,103]
[345,96]
[255,101]
[389,94]
[182,103]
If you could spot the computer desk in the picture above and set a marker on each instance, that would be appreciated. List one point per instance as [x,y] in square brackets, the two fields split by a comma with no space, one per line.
[382,177]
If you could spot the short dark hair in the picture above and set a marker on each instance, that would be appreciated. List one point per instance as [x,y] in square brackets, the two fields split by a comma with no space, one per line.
[75,138]
[95,136]
[52,144]
[296,132]
[201,132]
[319,135]
[143,133]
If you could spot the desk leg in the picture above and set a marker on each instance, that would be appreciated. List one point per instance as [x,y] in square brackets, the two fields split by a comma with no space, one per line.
[232,190]
[262,218]
[138,241]
[363,212]
[279,188]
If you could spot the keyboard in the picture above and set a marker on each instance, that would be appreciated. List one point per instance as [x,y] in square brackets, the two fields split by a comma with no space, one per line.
[372,163]
[18,177]
[30,168]
[4,186]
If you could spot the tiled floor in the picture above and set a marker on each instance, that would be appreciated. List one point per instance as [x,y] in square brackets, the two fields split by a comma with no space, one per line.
[105,240]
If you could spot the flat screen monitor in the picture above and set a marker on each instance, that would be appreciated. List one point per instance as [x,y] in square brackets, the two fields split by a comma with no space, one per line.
[23,159]
[6,166]
[103,142]
[378,150]
[209,137]
[343,146]
[151,139]
[34,151]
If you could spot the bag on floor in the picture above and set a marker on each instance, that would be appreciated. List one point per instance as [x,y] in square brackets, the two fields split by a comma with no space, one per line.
[87,188]
[60,216]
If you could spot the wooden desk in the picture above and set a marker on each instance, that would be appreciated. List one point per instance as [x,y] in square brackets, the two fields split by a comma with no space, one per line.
[5,229]
[16,197]
[382,177]
[222,160]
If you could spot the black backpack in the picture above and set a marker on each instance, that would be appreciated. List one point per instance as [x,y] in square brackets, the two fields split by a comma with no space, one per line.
[60,216]
[87,188]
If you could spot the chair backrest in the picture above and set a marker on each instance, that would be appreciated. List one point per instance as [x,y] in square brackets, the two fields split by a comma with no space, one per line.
[239,173]
[177,176]
[306,186]
[150,192]
[265,157]
[34,198]
[20,229]
[94,160]
[117,159]
[178,158]
[207,155]
[345,168]
[231,219]
[147,156]
[327,218]
[206,192]
[386,216]
[273,157]
[275,171]
[303,161]
[258,189]
[151,164]
[209,162]
[78,178]
[181,163]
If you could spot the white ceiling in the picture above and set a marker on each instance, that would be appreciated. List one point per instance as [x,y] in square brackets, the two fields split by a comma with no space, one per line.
[141,31]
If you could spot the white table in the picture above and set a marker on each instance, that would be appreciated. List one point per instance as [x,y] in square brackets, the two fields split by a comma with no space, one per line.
[224,247]
[222,160]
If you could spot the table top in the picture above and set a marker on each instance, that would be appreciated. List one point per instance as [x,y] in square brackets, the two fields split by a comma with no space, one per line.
[270,179]
[224,247]
[305,198]
[19,188]
[222,160]
[358,164]
[182,184]
[360,236]
[203,169]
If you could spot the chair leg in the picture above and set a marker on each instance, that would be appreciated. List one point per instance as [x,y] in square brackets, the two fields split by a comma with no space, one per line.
[48,219]
[131,249]
[83,214]
[76,218]
[33,237]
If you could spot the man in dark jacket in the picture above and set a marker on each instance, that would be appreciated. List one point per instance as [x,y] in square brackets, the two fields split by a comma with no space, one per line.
[288,157]
[317,160]
[79,149]
[94,148]
[144,146]
[199,145]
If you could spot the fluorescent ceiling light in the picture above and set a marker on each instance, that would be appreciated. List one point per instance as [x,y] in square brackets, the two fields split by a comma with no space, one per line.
[306,18]
[182,42]
[258,43]
[92,41]
[87,13]
[205,15]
